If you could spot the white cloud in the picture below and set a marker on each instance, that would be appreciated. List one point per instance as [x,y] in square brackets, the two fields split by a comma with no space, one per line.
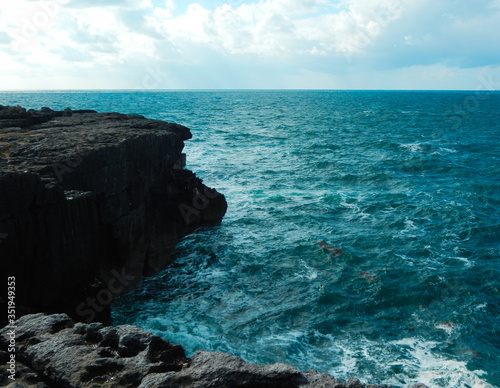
[267,42]
[107,3]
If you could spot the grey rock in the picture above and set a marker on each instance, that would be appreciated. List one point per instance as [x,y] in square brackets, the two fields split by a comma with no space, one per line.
[25,377]
[213,369]
[110,337]
[62,354]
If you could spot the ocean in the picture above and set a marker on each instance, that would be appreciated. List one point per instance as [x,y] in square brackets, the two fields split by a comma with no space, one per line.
[406,184]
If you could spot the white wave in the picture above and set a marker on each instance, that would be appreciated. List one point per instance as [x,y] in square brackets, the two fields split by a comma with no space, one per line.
[465,260]
[434,370]
[353,205]
[306,272]
[448,150]
[283,338]
[410,229]
[408,260]
[350,205]
[409,224]
[444,151]
[412,147]
[447,327]
[415,360]
[420,363]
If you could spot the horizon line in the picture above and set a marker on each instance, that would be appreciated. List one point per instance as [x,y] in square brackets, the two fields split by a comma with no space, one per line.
[240,89]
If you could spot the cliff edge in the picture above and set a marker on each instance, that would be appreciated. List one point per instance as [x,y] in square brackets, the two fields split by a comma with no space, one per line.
[90,203]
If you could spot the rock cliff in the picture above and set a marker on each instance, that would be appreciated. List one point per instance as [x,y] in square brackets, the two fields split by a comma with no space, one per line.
[90,203]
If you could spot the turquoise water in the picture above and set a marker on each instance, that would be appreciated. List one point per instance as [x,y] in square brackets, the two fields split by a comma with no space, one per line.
[407,184]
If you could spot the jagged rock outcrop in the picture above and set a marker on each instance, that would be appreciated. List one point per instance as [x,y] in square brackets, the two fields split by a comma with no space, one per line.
[53,351]
[90,203]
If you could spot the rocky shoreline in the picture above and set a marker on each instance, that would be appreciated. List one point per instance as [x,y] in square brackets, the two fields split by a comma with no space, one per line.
[53,351]
[90,203]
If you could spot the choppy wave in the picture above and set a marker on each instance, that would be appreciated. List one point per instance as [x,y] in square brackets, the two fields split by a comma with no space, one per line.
[413,203]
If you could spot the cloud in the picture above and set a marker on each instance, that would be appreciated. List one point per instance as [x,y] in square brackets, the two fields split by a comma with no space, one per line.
[136,21]
[70,54]
[264,43]
[107,3]
[4,38]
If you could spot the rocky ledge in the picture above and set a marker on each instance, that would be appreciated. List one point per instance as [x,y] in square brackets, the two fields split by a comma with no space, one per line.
[90,203]
[53,351]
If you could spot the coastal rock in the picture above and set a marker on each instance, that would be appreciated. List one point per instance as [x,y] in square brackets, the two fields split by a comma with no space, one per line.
[90,203]
[53,351]
[66,354]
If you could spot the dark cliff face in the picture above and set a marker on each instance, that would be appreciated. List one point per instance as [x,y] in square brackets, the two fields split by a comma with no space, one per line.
[90,203]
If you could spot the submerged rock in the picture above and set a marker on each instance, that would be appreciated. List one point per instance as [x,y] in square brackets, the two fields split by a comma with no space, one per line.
[90,203]
[53,351]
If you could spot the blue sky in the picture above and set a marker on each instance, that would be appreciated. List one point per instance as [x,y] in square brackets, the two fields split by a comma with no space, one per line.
[310,44]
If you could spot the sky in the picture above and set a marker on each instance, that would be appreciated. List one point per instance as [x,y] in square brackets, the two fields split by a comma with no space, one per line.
[245,44]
